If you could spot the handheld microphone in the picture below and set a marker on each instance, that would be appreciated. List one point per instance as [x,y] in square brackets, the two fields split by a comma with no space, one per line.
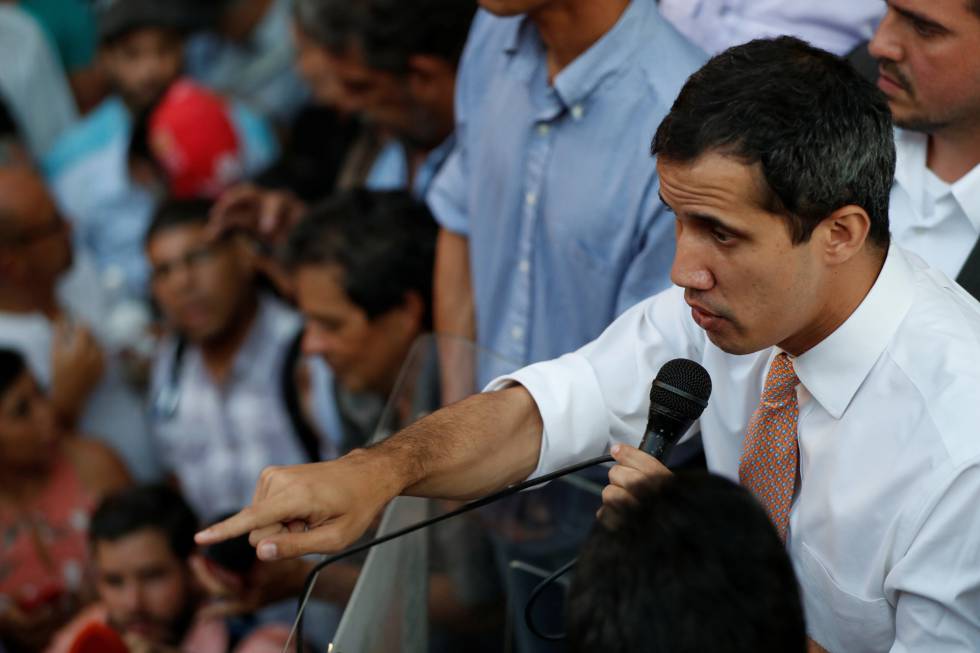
[678,396]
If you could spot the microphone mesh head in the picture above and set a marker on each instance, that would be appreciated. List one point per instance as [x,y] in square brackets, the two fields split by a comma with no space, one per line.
[687,376]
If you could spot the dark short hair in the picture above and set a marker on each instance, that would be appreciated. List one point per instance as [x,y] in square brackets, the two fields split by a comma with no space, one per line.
[119,18]
[12,366]
[383,241]
[694,566]
[330,23]
[821,133]
[175,213]
[396,30]
[149,507]
[388,31]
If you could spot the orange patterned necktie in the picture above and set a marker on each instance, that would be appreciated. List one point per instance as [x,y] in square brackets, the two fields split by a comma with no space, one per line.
[771,452]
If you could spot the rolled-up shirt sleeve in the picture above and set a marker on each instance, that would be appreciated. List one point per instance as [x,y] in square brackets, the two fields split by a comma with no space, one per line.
[599,394]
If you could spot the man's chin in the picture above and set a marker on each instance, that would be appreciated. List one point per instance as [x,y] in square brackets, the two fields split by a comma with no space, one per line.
[730,345]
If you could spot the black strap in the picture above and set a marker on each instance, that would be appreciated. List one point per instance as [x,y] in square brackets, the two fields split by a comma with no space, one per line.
[969,276]
[308,437]
[309,440]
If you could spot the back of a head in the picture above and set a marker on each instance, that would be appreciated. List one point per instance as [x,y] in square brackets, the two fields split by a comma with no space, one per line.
[383,241]
[821,133]
[147,507]
[694,566]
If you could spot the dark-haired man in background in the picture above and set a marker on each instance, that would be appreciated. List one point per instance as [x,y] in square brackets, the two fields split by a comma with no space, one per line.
[218,402]
[929,62]
[141,542]
[706,572]
[777,160]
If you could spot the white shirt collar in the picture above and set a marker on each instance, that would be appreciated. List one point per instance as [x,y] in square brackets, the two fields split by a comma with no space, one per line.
[834,369]
[911,150]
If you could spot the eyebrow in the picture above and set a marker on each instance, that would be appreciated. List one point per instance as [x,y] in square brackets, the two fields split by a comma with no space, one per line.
[917,17]
[710,221]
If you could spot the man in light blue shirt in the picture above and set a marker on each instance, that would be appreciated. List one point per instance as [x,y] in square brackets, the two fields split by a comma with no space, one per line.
[551,195]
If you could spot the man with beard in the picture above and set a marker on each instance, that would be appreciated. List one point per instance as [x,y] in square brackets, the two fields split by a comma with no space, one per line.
[929,63]
[141,542]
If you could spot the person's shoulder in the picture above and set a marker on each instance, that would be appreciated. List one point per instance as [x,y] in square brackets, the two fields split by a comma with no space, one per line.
[666,57]
[100,469]
[101,127]
[937,349]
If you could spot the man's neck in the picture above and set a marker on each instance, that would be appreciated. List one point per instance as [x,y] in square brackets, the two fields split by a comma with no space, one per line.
[842,298]
[570,27]
[219,352]
[954,153]
[25,301]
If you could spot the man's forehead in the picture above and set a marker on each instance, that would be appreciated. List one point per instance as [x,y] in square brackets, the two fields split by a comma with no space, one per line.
[711,174]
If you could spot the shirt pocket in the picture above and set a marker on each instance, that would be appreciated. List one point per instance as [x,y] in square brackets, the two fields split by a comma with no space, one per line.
[837,619]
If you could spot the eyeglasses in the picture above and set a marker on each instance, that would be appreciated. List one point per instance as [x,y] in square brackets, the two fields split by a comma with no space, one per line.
[191,259]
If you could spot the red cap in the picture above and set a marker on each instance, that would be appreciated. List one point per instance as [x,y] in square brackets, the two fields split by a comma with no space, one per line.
[194,140]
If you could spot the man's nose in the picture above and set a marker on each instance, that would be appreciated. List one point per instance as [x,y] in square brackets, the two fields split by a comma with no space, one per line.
[689,269]
[885,44]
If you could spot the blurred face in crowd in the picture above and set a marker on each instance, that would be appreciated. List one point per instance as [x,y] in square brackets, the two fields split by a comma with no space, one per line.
[417,105]
[336,80]
[365,354]
[142,64]
[929,60]
[35,240]
[202,286]
[144,585]
[27,427]
[749,287]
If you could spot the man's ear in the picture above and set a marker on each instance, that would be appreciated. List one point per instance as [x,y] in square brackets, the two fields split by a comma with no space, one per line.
[843,234]
[413,307]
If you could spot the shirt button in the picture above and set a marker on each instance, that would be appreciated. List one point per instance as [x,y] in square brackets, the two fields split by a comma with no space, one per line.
[517,333]
[531,199]
[524,266]
[577,112]
[543,129]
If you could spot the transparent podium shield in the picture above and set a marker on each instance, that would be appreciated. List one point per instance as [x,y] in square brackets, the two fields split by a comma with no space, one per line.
[389,608]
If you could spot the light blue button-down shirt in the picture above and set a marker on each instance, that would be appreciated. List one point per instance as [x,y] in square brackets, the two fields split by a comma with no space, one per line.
[554,184]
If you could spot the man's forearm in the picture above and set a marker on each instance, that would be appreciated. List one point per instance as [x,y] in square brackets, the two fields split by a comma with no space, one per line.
[453,307]
[479,445]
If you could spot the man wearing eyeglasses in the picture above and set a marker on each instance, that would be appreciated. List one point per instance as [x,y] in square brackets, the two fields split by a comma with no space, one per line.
[218,393]
[51,311]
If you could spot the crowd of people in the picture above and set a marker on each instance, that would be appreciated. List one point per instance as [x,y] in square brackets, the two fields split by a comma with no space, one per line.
[226,225]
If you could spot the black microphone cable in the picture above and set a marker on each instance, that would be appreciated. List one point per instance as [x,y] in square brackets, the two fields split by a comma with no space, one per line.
[473,505]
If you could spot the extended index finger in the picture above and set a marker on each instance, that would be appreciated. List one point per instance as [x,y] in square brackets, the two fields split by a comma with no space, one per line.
[258,516]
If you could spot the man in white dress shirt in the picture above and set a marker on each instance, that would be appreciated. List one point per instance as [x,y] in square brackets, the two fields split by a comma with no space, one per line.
[777,160]
[929,63]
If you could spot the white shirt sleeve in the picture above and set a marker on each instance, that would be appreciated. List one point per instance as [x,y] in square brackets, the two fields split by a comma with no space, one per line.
[601,393]
[935,585]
